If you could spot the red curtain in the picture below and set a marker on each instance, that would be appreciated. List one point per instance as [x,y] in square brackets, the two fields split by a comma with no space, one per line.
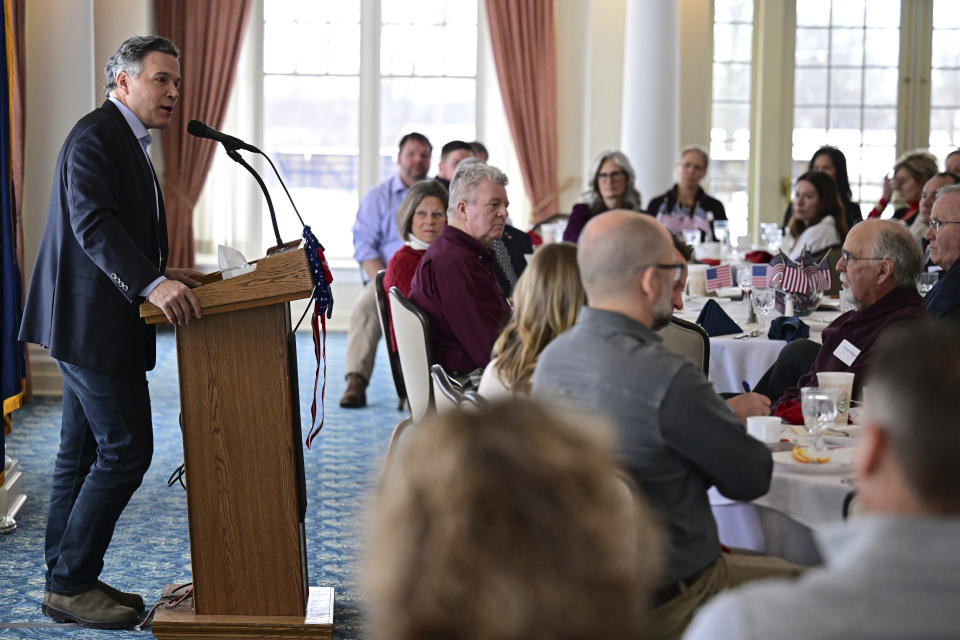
[209,35]
[18,92]
[524,52]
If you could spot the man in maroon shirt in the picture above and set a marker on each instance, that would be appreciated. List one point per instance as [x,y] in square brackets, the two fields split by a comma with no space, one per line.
[455,283]
[879,266]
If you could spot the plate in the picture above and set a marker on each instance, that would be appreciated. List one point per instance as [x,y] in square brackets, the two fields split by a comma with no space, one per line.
[841,461]
[830,304]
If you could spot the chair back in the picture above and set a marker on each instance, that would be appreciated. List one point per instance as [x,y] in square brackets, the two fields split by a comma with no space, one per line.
[688,339]
[383,314]
[447,392]
[412,329]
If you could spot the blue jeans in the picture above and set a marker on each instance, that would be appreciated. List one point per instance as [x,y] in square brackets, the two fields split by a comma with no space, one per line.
[106,443]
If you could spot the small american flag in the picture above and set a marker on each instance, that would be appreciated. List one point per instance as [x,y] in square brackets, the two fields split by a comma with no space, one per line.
[718,277]
[759,276]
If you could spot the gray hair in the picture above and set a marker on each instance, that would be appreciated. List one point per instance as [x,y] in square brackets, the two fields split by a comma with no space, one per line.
[895,243]
[468,176]
[591,196]
[129,56]
[913,377]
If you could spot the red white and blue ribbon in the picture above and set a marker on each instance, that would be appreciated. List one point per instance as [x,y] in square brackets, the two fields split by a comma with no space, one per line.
[323,308]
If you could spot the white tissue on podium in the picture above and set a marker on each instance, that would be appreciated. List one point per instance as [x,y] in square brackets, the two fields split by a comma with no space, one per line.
[232,262]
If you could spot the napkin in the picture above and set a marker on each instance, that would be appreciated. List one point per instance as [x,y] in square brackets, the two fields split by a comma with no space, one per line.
[758,257]
[788,328]
[715,320]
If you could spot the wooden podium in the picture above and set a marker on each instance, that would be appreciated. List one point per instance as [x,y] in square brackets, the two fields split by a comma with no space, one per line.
[246,497]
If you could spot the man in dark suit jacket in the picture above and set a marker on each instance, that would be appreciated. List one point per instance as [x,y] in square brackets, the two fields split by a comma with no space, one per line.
[103,251]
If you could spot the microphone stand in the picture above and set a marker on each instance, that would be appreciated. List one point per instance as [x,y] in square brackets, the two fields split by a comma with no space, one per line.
[236,157]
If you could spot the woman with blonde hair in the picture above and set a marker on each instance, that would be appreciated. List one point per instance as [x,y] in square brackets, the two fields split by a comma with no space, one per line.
[505,524]
[546,301]
[911,172]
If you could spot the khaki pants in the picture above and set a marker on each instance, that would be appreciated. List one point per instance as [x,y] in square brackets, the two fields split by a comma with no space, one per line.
[364,334]
[732,569]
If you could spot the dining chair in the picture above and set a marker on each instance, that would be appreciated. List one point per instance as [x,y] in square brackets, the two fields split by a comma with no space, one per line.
[688,339]
[412,330]
[447,392]
[383,309]
[397,440]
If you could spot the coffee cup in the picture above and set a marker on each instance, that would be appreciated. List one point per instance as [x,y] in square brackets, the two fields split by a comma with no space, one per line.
[842,381]
[764,428]
[697,279]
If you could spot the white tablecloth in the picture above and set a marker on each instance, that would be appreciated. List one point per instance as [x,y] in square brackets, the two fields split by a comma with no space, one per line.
[734,361]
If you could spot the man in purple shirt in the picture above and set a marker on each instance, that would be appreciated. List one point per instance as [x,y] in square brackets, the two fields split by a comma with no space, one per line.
[455,283]
[375,239]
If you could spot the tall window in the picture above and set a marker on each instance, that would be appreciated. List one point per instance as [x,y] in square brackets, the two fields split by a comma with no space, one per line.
[945,80]
[313,111]
[730,112]
[845,87]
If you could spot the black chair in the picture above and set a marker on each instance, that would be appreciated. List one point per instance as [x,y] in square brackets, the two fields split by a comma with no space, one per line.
[384,314]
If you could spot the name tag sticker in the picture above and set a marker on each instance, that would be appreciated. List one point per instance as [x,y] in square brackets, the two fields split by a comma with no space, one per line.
[846,353]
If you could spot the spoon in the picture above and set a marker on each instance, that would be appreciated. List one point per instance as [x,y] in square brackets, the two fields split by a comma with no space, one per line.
[744,336]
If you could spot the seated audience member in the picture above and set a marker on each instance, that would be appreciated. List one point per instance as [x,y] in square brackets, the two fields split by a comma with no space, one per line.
[505,524]
[450,156]
[546,302]
[911,172]
[455,283]
[879,267]
[892,571]
[686,205]
[831,161]
[819,220]
[927,197]
[674,434]
[611,184]
[951,164]
[480,150]
[943,301]
[420,219]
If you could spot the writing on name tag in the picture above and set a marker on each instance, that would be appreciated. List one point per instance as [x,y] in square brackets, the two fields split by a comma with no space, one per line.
[846,353]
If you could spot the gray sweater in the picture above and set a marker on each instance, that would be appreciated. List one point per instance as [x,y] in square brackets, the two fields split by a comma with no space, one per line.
[675,435]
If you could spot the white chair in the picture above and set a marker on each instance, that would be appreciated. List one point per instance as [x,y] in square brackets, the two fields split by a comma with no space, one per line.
[412,329]
[447,392]
[688,339]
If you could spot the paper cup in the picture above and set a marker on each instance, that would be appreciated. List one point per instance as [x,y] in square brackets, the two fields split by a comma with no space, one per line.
[843,382]
[697,279]
[709,250]
[764,428]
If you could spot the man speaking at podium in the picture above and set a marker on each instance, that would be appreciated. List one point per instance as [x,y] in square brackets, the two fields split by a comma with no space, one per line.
[103,250]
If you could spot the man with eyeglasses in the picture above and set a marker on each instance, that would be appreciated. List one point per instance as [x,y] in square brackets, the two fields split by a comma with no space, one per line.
[879,267]
[943,233]
[675,435]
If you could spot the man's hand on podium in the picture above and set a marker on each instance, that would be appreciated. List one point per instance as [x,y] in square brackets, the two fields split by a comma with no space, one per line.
[174,297]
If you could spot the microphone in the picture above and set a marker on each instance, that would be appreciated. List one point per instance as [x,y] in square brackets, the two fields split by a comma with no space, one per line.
[200,130]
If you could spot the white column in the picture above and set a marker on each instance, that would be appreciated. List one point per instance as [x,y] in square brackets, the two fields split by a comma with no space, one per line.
[651,110]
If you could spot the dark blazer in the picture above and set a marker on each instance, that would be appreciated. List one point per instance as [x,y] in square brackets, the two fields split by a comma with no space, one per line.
[102,244]
[943,301]
[518,244]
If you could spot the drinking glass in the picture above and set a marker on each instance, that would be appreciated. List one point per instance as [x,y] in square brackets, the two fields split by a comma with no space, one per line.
[691,237]
[819,406]
[721,231]
[763,300]
[927,280]
[745,282]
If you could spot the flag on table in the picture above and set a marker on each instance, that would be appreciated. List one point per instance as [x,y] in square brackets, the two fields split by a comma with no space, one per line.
[13,366]
[759,276]
[719,277]
[805,276]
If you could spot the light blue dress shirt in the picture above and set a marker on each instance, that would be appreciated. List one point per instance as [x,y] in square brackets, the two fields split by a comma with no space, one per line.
[375,234]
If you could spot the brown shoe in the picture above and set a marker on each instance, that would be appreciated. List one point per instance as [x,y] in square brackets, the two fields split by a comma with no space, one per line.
[92,608]
[356,394]
[132,600]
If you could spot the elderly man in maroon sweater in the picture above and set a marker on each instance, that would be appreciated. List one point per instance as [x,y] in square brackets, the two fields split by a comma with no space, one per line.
[455,283]
[879,266]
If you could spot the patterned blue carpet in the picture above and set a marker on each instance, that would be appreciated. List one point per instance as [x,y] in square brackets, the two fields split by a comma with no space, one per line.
[151,547]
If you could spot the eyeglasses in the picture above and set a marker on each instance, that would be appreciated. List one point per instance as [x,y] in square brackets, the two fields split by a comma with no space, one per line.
[846,256]
[612,176]
[679,269]
[936,224]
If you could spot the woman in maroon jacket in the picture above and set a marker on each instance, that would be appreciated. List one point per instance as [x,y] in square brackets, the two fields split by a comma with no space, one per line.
[420,218]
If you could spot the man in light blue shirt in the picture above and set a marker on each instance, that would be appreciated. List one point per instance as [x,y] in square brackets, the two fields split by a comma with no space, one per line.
[893,571]
[375,240]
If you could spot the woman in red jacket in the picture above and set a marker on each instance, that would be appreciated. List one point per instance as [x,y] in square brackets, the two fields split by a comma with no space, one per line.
[420,219]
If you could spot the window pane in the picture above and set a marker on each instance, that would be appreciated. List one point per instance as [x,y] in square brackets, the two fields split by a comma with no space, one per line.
[945,14]
[882,47]
[731,81]
[944,48]
[810,86]
[847,47]
[308,112]
[733,11]
[812,47]
[845,86]
[279,47]
[732,42]
[884,13]
[815,118]
[945,87]
[880,87]
[813,13]
[880,127]
[848,13]
[407,12]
